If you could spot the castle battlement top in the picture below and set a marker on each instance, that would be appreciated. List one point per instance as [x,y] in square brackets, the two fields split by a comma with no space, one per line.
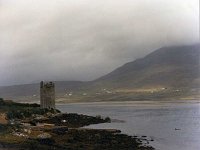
[46,84]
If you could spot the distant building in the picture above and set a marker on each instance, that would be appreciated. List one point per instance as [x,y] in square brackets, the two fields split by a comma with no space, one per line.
[47,95]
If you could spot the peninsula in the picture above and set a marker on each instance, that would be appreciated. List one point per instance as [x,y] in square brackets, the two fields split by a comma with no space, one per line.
[29,127]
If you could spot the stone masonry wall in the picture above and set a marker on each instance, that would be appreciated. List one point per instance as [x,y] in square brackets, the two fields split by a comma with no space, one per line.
[47,95]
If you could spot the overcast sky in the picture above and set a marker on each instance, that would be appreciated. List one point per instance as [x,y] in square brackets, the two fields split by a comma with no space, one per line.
[85,39]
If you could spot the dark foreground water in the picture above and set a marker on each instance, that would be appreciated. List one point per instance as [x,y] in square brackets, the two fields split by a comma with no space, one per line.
[172,125]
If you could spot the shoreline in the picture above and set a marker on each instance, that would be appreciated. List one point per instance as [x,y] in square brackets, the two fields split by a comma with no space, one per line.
[122,102]
[51,130]
[135,102]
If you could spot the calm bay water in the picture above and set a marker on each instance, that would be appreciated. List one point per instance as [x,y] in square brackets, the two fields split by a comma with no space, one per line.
[156,120]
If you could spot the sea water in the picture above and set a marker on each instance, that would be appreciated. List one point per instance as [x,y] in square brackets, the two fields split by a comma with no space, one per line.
[173,125]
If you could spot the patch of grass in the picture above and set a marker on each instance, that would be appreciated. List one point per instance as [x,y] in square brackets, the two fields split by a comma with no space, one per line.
[22,110]
[27,112]
[11,139]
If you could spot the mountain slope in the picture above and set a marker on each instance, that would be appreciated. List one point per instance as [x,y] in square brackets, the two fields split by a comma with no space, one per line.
[31,91]
[176,66]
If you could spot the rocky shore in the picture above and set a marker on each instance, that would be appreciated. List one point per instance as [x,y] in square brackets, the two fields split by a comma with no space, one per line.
[30,128]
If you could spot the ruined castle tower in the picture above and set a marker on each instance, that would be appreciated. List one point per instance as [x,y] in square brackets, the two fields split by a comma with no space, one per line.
[47,95]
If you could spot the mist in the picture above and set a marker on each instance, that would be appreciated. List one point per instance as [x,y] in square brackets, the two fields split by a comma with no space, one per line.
[83,40]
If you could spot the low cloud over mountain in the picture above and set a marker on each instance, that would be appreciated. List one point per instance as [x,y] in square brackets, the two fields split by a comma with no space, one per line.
[83,40]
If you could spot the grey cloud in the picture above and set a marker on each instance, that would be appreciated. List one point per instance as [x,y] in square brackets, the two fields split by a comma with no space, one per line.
[82,40]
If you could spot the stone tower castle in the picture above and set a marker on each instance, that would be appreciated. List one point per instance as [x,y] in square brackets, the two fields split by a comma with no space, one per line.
[47,95]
